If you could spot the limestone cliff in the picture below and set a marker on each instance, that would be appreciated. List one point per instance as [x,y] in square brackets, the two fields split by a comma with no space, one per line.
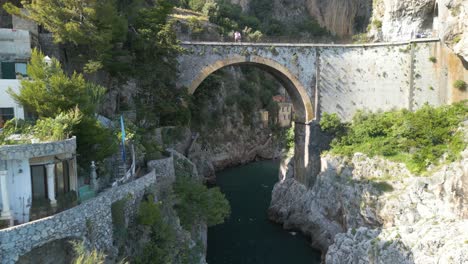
[382,20]
[342,17]
[370,210]
[394,20]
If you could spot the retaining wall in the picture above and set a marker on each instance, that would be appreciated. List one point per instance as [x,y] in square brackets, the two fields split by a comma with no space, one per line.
[90,221]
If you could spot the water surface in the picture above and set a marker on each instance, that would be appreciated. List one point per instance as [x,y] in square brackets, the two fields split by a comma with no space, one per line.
[247,236]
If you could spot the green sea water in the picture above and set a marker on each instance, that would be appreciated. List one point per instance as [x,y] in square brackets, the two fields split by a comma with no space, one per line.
[248,236]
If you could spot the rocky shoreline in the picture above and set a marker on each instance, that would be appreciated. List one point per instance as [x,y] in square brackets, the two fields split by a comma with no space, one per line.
[370,210]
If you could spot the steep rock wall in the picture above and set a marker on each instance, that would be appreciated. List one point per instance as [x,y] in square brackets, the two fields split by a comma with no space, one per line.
[399,20]
[341,17]
[361,206]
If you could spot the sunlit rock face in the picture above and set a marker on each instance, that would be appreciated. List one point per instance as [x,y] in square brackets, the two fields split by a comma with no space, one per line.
[394,20]
[453,25]
[341,17]
[371,210]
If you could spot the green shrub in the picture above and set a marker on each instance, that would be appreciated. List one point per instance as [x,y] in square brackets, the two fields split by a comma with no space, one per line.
[377,24]
[332,124]
[460,85]
[273,50]
[195,202]
[118,221]
[153,150]
[58,128]
[290,138]
[383,186]
[163,241]
[432,59]
[457,39]
[360,38]
[416,138]
[84,257]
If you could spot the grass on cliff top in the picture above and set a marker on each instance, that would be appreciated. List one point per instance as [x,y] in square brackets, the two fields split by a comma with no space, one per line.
[418,139]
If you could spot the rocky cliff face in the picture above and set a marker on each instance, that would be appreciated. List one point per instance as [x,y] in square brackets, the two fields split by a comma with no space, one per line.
[382,20]
[341,17]
[364,210]
[394,20]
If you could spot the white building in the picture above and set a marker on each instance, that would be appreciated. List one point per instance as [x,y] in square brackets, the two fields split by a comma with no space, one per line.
[15,51]
[34,174]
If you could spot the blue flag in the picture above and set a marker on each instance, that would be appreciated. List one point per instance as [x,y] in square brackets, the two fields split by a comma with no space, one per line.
[122,127]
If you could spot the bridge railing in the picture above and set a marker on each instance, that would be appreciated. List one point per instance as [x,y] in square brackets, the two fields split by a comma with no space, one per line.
[263,39]
[293,39]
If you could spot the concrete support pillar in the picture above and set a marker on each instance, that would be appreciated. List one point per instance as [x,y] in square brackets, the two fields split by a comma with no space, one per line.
[51,183]
[306,153]
[300,149]
[6,213]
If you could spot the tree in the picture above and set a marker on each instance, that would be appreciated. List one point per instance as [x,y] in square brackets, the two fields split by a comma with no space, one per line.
[196,202]
[86,22]
[49,91]
[155,48]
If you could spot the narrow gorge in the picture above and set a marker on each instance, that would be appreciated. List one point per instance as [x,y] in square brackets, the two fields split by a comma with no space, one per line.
[234,131]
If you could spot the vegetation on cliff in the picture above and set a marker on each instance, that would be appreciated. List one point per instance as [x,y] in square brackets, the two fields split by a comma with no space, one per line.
[255,22]
[133,40]
[254,92]
[419,139]
[196,203]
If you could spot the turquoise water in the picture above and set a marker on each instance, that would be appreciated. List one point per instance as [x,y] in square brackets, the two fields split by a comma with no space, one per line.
[248,236]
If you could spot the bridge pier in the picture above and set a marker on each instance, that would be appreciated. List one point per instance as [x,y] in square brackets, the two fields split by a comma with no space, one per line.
[306,152]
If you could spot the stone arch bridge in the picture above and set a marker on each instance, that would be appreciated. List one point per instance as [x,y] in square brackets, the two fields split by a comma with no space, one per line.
[330,78]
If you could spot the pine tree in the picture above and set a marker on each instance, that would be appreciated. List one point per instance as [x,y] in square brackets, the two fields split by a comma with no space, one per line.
[49,91]
[84,22]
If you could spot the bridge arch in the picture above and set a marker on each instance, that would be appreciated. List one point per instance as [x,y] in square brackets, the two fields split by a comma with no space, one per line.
[304,111]
[301,100]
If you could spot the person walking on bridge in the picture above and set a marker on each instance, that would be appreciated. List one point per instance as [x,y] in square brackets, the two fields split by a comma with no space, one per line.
[237,36]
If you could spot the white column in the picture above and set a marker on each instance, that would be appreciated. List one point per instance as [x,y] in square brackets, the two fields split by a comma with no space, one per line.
[51,183]
[73,175]
[6,213]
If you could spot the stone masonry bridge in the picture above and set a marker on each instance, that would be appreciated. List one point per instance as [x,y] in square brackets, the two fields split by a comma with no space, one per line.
[330,78]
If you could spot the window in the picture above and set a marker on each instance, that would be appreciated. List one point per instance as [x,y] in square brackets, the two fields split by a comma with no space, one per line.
[21,68]
[5,115]
[10,69]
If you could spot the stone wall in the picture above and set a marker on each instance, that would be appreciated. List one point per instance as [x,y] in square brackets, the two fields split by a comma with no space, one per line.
[91,221]
[26,151]
[382,78]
